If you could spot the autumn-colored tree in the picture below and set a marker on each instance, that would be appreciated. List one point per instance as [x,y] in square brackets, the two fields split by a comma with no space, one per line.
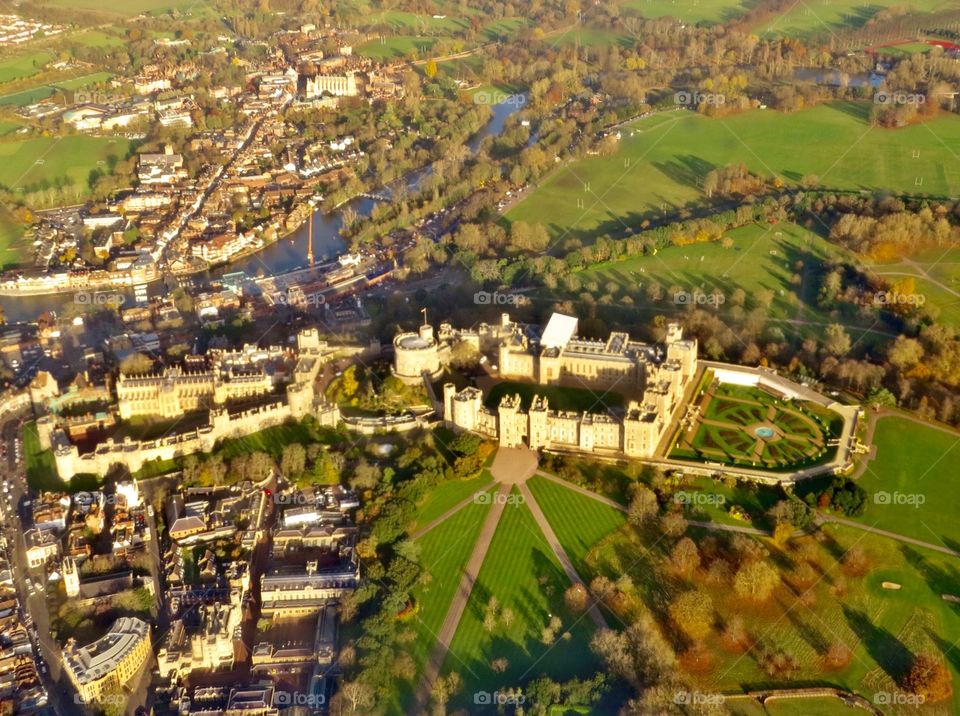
[929,678]
[756,581]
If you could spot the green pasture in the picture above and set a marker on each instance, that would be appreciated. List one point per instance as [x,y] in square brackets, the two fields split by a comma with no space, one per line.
[70,159]
[662,160]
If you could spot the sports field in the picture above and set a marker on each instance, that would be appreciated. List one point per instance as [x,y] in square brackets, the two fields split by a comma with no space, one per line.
[738,425]
[913,481]
[824,16]
[19,66]
[32,162]
[662,160]
[692,11]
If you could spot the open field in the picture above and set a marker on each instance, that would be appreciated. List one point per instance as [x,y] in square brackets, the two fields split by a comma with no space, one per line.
[129,8]
[399,46]
[815,18]
[95,38]
[738,425]
[521,572]
[578,521]
[913,481]
[662,158]
[692,11]
[936,273]
[558,397]
[762,257]
[40,92]
[884,629]
[19,66]
[31,163]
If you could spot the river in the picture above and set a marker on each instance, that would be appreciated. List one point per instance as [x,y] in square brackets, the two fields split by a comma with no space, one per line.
[284,255]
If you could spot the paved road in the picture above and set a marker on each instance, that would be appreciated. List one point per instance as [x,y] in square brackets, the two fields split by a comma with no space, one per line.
[459,603]
[558,550]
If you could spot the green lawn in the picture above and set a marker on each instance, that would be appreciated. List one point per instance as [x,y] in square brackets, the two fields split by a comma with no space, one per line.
[96,38]
[400,46]
[521,571]
[824,16]
[590,37]
[936,273]
[40,465]
[31,163]
[558,397]
[27,96]
[444,552]
[762,257]
[129,8]
[914,460]
[692,11]
[19,66]
[412,23]
[662,158]
[13,249]
[578,521]
[447,494]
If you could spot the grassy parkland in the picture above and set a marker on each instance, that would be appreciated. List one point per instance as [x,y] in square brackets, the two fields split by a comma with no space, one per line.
[661,162]
[913,481]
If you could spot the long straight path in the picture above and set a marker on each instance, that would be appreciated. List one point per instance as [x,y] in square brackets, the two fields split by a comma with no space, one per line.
[459,603]
[558,550]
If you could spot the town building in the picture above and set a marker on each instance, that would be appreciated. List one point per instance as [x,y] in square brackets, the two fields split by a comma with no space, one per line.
[109,663]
